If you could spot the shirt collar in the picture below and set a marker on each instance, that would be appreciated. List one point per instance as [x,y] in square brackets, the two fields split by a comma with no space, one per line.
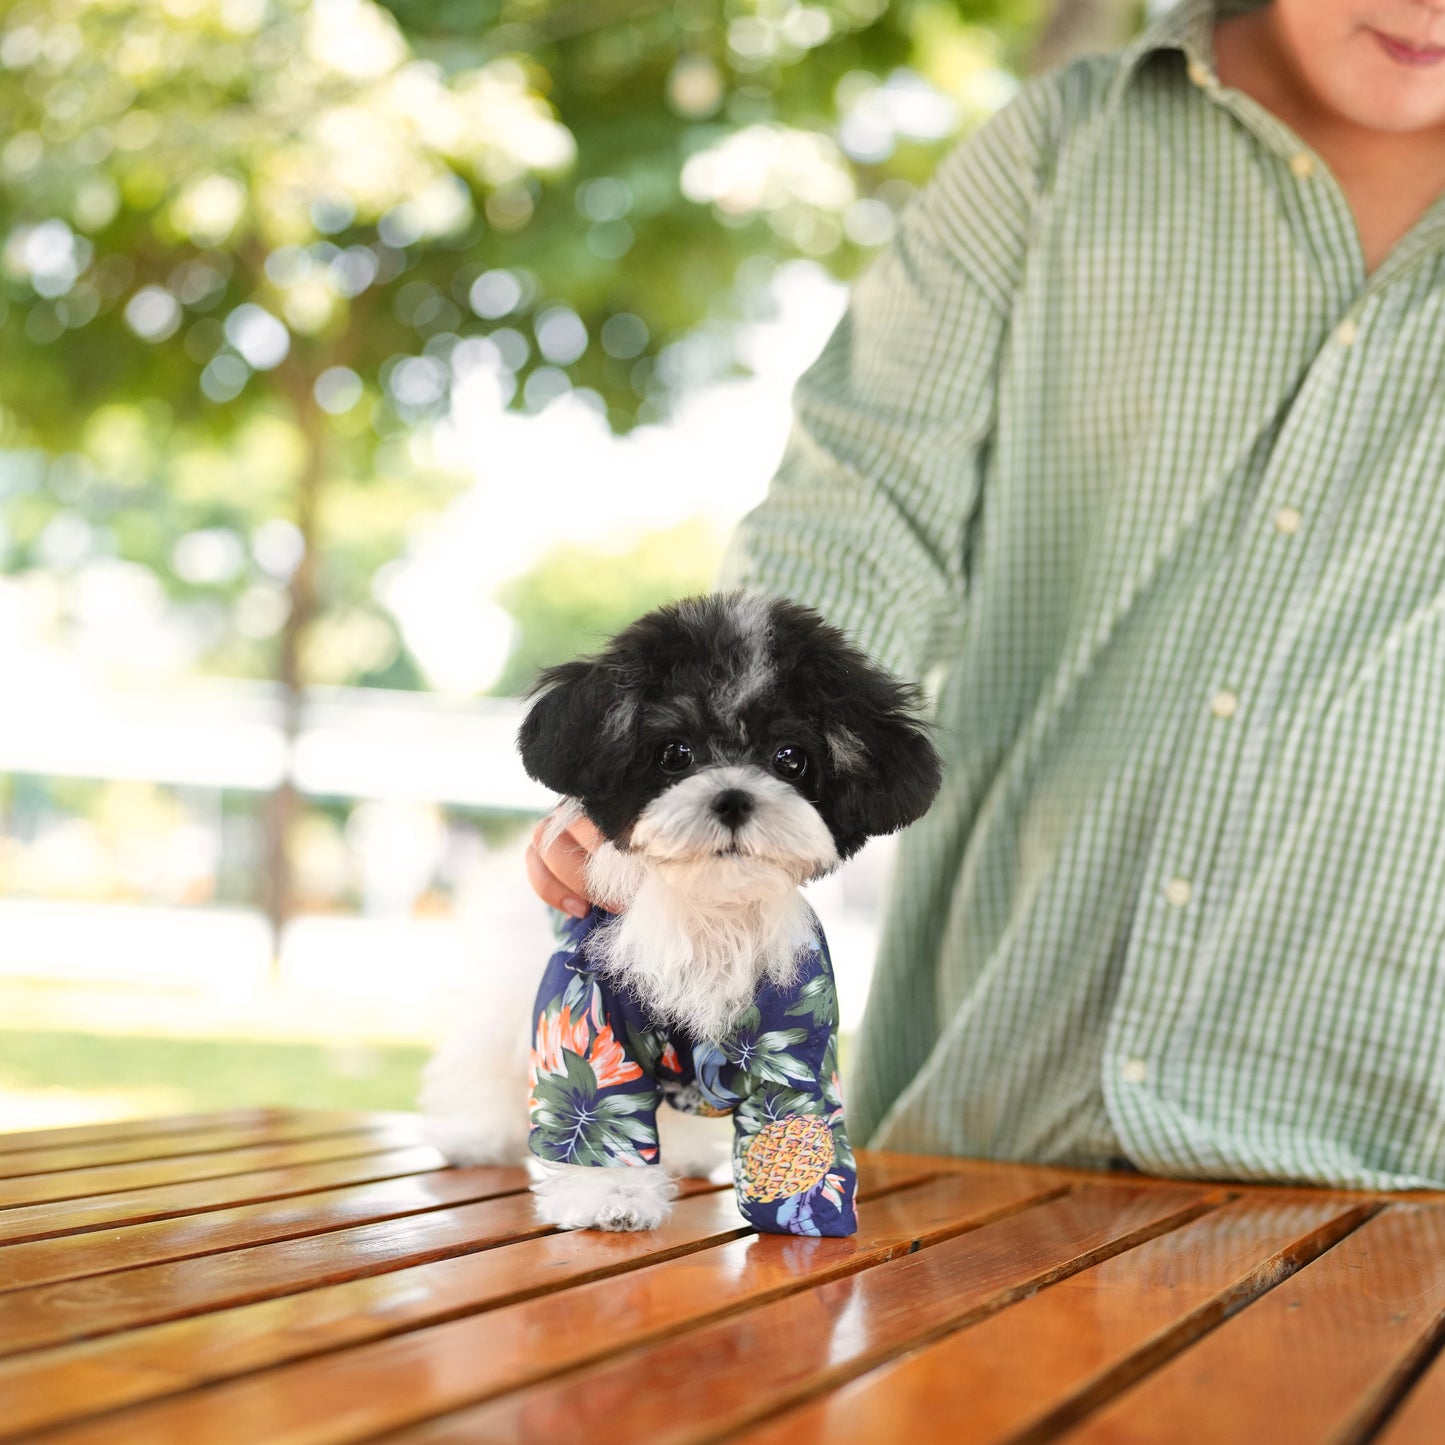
[1187,27]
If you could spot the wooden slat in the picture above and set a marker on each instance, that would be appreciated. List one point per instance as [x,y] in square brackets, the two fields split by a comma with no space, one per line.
[111,1178]
[86,1155]
[166,1201]
[1419,1418]
[40,1388]
[332,1298]
[75,1256]
[409,1376]
[1043,1363]
[885,1178]
[704,1382]
[1318,1359]
[82,1309]
[160,1125]
[48,1386]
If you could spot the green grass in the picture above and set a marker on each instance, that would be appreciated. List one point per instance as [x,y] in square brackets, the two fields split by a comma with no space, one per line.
[216,1073]
[182,1075]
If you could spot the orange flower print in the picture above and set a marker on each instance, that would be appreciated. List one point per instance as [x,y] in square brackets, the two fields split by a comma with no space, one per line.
[554,1035]
[589,1038]
[608,1061]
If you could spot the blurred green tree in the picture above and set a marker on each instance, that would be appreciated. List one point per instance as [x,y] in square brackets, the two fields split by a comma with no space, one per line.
[713,138]
[253,248]
[576,596]
[238,244]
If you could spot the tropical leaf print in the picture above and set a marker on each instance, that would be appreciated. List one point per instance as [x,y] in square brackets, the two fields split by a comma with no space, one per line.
[828,1075]
[765,1055]
[558,1034]
[609,1063]
[722,1083]
[690,1099]
[770,1104]
[817,1001]
[572,1124]
[648,1047]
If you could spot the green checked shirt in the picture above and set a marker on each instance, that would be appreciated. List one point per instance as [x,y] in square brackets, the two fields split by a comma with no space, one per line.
[1120,447]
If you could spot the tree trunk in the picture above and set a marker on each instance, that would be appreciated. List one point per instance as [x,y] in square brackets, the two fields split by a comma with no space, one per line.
[1082,27]
[284,805]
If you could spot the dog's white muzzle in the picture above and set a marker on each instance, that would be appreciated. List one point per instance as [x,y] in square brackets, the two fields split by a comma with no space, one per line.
[736,813]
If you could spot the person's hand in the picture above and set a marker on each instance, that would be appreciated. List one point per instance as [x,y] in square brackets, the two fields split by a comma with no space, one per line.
[558,872]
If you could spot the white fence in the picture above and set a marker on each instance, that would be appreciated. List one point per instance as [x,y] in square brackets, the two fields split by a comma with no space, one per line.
[380,972]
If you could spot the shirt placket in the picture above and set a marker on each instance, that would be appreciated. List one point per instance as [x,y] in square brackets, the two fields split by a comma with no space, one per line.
[1258,606]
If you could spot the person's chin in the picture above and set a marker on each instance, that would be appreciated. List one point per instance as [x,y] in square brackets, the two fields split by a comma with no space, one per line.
[1384,95]
[1394,105]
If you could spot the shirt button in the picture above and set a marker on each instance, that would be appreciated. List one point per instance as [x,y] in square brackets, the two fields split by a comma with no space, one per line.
[1134,1071]
[1302,164]
[1347,332]
[1200,74]
[1224,703]
[1287,520]
[1178,892]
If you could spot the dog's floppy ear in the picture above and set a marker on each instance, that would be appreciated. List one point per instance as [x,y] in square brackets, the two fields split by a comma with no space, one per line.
[885,769]
[578,729]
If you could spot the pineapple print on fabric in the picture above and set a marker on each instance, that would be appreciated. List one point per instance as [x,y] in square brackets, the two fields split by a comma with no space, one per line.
[601,1064]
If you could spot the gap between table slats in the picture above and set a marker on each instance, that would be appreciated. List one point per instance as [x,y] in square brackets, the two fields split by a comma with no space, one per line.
[104,1304]
[132,1246]
[28,1222]
[1414,1416]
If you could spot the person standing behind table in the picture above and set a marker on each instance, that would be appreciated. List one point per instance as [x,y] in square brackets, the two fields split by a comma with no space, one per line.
[1137,432]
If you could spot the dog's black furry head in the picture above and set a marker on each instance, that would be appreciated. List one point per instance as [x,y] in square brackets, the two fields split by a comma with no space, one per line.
[730,724]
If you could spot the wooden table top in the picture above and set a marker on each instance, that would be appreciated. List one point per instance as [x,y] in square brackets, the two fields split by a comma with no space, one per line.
[267,1276]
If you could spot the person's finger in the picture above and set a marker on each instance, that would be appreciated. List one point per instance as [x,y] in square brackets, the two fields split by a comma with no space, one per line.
[587,834]
[564,892]
[565,856]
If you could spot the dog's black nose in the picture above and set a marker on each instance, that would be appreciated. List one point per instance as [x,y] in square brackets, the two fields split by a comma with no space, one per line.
[733,807]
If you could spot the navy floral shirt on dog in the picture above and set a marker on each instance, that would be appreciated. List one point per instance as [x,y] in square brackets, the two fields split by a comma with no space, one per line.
[601,1065]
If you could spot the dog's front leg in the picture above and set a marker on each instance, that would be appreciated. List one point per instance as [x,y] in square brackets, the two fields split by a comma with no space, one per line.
[593,1109]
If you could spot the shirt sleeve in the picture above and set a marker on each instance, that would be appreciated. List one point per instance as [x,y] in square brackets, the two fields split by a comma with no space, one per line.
[867,518]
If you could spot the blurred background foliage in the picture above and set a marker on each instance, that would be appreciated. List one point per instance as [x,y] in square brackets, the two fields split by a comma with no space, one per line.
[277,277]
[254,249]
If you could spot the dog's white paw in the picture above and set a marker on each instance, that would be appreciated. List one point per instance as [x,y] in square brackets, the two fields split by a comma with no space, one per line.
[581,1196]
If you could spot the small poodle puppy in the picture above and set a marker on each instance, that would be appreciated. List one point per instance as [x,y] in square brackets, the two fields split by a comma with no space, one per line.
[729,748]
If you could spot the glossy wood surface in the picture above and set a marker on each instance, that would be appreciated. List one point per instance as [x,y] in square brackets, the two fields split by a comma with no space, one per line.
[280,1276]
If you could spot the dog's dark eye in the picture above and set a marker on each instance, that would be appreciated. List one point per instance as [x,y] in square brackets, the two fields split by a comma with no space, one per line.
[790,762]
[674,757]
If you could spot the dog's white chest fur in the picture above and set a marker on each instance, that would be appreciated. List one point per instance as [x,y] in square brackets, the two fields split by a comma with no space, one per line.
[695,940]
